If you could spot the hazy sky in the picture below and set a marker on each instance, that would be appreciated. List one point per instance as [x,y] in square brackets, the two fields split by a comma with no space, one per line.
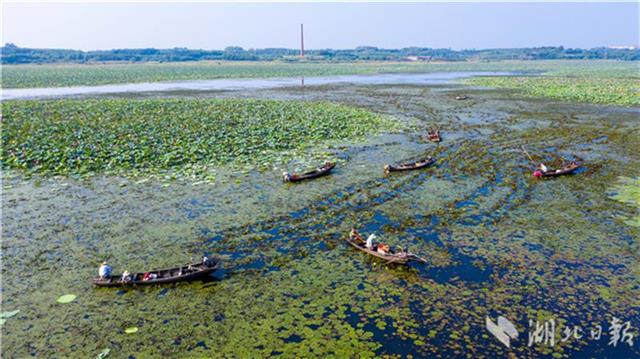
[337,25]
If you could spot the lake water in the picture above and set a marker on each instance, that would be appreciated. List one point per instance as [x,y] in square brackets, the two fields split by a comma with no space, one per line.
[498,242]
[243,84]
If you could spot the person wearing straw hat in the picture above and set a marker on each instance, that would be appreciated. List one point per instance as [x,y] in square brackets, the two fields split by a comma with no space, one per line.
[105,271]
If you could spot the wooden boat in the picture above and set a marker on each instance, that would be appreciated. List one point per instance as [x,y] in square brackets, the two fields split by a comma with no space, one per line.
[321,171]
[568,169]
[434,136]
[189,271]
[400,257]
[410,166]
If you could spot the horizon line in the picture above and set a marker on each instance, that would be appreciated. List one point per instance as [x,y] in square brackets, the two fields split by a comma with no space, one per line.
[610,46]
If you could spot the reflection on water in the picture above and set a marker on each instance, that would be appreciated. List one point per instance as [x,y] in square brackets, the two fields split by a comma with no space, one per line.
[242,84]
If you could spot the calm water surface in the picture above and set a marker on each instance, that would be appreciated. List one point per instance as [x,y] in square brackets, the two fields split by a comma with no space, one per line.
[242,84]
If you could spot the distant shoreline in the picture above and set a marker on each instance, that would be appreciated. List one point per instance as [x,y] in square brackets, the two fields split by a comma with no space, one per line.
[11,54]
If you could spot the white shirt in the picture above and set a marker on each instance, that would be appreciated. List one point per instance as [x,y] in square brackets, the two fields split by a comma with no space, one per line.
[104,270]
[369,243]
[543,167]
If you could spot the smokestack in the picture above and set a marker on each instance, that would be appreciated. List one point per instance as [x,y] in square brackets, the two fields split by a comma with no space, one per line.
[301,40]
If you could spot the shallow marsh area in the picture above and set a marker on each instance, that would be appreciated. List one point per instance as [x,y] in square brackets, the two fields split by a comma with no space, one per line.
[498,241]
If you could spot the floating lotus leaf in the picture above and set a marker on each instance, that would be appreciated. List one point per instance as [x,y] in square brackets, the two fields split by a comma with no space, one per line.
[9,314]
[103,354]
[67,298]
[186,139]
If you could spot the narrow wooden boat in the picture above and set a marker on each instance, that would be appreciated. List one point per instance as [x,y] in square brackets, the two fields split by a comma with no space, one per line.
[409,166]
[400,257]
[434,136]
[568,169]
[189,271]
[321,171]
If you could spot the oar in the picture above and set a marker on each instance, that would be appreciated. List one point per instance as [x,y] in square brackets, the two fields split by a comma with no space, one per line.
[419,258]
[393,260]
[414,256]
[527,153]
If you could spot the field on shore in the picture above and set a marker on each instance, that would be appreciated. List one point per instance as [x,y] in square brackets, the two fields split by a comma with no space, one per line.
[152,180]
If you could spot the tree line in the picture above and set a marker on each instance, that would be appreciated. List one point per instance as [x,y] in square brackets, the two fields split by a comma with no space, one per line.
[12,54]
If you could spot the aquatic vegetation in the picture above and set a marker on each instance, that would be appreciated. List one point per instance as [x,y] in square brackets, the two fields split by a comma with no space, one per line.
[614,91]
[67,298]
[173,138]
[498,243]
[9,314]
[5,315]
[628,191]
[56,75]
[614,83]
[103,354]
[603,82]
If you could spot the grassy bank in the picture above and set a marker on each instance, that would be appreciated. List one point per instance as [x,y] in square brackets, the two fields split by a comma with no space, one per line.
[28,76]
[184,137]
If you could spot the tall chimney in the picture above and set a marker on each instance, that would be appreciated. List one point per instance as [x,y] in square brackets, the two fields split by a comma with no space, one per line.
[301,40]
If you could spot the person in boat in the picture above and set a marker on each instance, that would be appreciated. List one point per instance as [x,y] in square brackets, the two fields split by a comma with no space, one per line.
[543,168]
[126,276]
[105,271]
[286,176]
[354,235]
[205,260]
[383,248]
[540,171]
[149,276]
[369,243]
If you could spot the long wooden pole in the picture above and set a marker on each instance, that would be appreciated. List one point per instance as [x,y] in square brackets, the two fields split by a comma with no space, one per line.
[419,258]
[527,153]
